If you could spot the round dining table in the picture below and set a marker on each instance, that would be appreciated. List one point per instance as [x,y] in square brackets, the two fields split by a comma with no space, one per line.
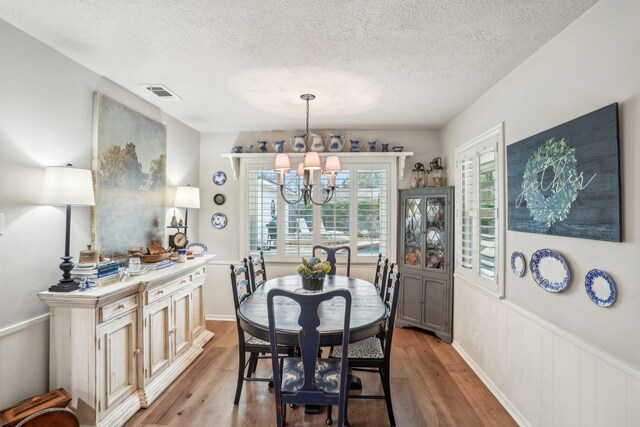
[367,311]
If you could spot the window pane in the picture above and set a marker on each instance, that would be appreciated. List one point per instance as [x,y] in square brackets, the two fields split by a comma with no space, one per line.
[335,214]
[298,220]
[466,223]
[372,212]
[488,214]
[263,195]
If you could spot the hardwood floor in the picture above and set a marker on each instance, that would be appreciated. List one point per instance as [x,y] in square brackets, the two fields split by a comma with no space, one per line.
[430,384]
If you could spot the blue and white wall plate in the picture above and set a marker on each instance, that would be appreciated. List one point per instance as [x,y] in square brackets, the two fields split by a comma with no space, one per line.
[197,249]
[219,220]
[549,270]
[518,263]
[600,288]
[219,178]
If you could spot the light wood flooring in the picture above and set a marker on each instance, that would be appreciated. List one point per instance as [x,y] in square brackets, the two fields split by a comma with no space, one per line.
[430,384]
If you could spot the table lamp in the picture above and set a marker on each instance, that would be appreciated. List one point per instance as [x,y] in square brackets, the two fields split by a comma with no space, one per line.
[187,197]
[67,186]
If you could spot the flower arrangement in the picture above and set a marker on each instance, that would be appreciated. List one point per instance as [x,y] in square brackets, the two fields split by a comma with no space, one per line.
[312,272]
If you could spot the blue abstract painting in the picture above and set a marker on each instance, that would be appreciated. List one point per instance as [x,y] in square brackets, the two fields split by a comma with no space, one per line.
[565,181]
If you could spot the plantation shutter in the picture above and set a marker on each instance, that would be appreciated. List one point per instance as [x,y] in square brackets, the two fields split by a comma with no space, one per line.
[263,198]
[335,215]
[372,207]
[487,208]
[466,209]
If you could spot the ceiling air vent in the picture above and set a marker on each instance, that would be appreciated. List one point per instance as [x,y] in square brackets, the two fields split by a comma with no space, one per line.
[162,92]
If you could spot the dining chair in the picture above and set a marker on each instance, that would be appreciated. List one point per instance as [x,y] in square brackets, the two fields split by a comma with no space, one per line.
[379,284]
[260,271]
[331,257]
[309,379]
[374,353]
[257,348]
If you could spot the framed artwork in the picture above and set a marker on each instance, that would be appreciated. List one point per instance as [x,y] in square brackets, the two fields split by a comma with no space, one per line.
[129,163]
[565,181]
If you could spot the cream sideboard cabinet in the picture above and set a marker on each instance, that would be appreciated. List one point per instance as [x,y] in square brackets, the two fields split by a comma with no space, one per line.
[115,349]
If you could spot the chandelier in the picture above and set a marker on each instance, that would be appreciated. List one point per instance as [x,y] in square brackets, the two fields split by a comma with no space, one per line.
[306,170]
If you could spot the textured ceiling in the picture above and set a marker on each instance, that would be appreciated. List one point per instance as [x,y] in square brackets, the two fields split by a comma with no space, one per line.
[241,65]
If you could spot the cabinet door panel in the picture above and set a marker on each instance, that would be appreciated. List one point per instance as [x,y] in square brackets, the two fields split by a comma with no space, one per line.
[117,361]
[435,304]
[197,310]
[412,227]
[411,300]
[159,327]
[181,322]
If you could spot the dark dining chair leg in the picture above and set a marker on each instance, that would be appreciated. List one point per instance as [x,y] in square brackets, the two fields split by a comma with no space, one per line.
[250,365]
[329,420]
[279,420]
[241,361]
[385,374]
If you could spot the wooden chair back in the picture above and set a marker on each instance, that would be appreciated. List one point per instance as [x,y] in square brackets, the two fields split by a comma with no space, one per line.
[391,303]
[257,271]
[331,257]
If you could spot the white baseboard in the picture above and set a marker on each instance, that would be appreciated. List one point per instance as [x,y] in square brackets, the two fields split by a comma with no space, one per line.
[221,317]
[504,401]
[23,325]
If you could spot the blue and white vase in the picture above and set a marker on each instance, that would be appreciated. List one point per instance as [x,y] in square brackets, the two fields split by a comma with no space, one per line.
[385,148]
[336,142]
[262,146]
[317,142]
[355,145]
[248,148]
[278,146]
[372,146]
[298,144]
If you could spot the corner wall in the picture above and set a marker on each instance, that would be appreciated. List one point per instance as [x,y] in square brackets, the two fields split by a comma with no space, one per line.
[46,118]
[558,359]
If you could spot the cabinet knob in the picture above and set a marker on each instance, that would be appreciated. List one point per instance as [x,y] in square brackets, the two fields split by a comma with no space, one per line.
[160,292]
[183,281]
[171,331]
[120,307]
[136,351]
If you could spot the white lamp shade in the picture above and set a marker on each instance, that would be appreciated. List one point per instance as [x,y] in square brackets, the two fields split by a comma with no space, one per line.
[282,163]
[66,185]
[312,161]
[300,171]
[332,165]
[187,197]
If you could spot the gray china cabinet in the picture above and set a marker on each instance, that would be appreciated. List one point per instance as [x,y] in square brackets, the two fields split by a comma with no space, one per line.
[425,260]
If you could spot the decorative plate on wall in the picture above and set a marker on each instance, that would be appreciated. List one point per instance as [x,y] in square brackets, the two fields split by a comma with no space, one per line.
[219,220]
[600,288]
[219,199]
[219,178]
[518,263]
[549,270]
[197,249]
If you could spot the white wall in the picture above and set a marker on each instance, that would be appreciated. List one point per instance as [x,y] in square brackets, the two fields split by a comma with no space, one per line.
[559,359]
[46,118]
[224,243]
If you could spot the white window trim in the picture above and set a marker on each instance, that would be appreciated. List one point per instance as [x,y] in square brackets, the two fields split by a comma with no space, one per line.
[494,288]
[248,163]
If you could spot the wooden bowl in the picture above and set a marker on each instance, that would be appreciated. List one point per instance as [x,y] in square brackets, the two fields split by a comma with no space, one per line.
[155,257]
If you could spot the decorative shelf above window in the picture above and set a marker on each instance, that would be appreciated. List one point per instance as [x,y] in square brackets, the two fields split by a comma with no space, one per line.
[236,158]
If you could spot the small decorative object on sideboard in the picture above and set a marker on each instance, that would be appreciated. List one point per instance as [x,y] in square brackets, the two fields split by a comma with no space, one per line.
[312,272]
[88,256]
[418,176]
[174,219]
[197,249]
[437,177]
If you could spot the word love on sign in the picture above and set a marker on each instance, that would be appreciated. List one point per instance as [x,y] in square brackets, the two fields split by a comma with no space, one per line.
[565,181]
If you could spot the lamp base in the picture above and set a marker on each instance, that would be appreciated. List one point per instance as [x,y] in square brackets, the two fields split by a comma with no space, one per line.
[66,284]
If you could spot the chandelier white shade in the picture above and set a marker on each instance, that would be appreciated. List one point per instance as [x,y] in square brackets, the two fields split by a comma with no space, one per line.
[282,163]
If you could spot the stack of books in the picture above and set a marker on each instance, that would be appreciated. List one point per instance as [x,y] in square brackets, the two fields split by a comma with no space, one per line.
[101,274]
[157,265]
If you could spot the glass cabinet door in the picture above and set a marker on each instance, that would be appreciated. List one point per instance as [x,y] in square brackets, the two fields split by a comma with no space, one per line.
[413,231]
[435,231]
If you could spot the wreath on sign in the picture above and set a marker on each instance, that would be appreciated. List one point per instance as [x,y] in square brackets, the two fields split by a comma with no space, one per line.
[561,158]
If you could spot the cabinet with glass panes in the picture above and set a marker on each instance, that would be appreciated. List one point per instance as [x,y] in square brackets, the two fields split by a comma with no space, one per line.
[425,252]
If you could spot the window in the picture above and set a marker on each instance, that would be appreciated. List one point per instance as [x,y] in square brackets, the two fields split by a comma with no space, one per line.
[359,215]
[480,212]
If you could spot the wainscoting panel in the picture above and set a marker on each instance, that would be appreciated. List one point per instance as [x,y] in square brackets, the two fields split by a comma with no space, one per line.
[24,360]
[543,375]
